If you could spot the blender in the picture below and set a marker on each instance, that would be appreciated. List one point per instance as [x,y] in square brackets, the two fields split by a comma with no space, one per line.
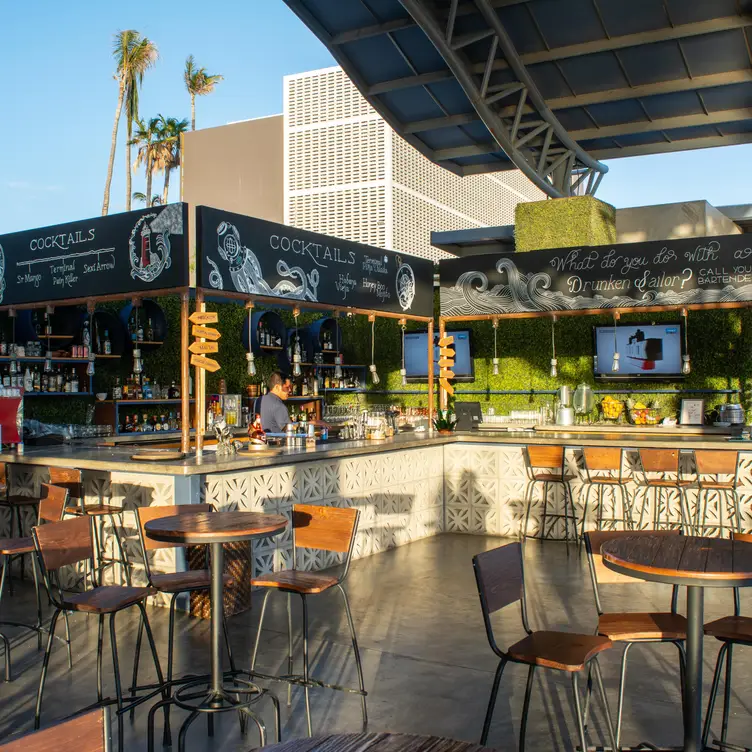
[565,411]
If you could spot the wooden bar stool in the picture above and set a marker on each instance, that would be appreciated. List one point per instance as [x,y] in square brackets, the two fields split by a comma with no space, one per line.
[546,465]
[50,509]
[500,577]
[730,631]
[662,462]
[631,627]
[604,469]
[172,584]
[325,529]
[71,541]
[717,478]
[72,479]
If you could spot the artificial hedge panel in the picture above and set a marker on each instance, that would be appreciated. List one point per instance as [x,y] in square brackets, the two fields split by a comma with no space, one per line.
[563,223]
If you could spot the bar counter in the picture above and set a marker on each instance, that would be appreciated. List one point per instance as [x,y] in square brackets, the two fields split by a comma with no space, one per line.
[408,487]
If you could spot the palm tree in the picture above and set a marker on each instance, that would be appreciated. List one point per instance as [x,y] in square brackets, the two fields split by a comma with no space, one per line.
[172,130]
[134,55]
[148,138]
[198,82]
[139,197]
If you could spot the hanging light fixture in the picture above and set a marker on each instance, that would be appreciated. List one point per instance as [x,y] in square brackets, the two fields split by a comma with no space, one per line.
[554,362]
[495,357]
[48,331]
[137,365]
[13,351]
[686,365]
[296,351]
[372,368]
[615,365]
[403,370]
[90,364]
[251,361]
[338,356]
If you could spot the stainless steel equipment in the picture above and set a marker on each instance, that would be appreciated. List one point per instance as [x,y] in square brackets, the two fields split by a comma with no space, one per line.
[565,411]
[584,400]
[733,414]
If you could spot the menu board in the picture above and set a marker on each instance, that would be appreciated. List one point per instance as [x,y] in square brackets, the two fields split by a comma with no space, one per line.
[250,255]
[124,253]
[688,271]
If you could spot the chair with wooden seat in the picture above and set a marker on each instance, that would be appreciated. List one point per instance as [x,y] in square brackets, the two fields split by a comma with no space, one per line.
[87,732]
[546,466]
[604,470]
[499,575]
[72,479]
[69,542]
[50,509]
[326,529]
[660,476]
[729,631]
[718,480]
[172,584]
[631,627]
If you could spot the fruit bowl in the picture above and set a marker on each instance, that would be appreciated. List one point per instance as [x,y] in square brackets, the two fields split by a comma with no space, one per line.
[611,408]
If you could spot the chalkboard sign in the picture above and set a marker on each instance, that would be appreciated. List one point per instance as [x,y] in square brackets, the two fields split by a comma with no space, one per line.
[689,271]
[125,253]
[250,255]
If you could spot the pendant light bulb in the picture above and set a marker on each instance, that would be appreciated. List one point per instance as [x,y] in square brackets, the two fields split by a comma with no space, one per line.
[47,362]
[90,368]
[403,370]
[251,362]
[554,368]
[495,366]
[374,376]
[554,361]
[337,366]
[615,365]
[137,367]
[372,368]
[403,374]
[686,367]
[495,360]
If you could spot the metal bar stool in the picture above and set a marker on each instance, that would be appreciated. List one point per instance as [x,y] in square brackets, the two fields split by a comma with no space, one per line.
[73,480]
[730,631]
[631,627]
[50,509]
[499,574]
[713,465]
[662,462]
[546,465]
[604,469]
[15,504]
[172,584]
[325,529]
[71,541]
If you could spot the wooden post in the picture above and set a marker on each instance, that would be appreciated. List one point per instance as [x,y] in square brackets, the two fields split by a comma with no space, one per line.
[430,374]
[443,401]
[185,376]
[199,384]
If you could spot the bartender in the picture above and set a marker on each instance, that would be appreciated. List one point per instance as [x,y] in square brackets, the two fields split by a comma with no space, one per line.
[274,415]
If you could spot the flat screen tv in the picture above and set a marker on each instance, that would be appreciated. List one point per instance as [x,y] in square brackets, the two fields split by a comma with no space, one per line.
[416,356]
[646,351]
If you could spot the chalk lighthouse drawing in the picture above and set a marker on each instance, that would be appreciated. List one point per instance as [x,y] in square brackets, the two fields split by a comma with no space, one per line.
[150,242]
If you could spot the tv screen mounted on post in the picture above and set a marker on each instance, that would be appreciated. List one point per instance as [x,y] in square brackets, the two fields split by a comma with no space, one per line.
[416,356]
[646,351]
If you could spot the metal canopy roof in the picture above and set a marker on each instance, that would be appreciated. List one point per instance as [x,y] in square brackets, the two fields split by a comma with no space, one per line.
[547,86]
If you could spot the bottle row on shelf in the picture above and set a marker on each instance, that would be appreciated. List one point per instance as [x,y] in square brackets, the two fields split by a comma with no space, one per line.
[145,423]
[140,387]
[36,379]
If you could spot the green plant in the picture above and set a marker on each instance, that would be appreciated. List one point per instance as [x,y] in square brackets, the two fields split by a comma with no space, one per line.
[444,421]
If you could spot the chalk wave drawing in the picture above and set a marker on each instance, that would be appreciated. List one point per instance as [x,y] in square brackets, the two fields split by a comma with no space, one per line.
[246,274]
[525,293]
[405,285]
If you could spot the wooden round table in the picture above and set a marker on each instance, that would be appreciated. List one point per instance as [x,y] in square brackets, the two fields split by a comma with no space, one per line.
[384,742]
[214,529]
[693,562]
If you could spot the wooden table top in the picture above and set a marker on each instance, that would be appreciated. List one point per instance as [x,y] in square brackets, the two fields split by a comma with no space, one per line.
[214,527]
[383,742]
[681,559]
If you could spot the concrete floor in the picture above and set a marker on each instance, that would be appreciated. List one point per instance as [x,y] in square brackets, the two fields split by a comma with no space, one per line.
[427,664]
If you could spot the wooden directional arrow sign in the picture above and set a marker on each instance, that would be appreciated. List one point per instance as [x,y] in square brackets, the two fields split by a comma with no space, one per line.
[445,373]
[446,362]
[206,332]
[203,347]
[447,351]
[446,386]
[444,341]
[206,363]
[204,317]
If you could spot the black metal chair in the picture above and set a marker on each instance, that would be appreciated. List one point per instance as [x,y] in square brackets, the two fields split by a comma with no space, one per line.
[50,508]
[59,544]
[730,631]
[631,627]
[499,574]
[326,529]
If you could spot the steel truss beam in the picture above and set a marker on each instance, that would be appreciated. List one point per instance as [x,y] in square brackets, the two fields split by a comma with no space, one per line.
[556,164]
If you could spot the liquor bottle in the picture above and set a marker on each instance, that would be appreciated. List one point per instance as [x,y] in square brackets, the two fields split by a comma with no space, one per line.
[146,426]
[28,382]
[156,423]
[3,345]
[58,380]
[86,335]
[304,388]
[6,377]
[47,324]
[178,421]
[173,392]
[327,382]
[315,385]
[35,323]
[107,343]
[164,422]
[117,390]
[127,427]
[74,381]
[132,329]
[149,331]
[140,333]
[45,382]
[136,425]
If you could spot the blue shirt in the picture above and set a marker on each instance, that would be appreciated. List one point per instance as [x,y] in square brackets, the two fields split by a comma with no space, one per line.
[274,415]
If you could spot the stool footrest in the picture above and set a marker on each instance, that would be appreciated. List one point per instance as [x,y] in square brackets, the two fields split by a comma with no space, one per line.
[300,681]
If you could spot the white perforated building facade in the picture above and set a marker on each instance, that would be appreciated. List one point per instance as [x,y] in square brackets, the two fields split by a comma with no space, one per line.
[349,175]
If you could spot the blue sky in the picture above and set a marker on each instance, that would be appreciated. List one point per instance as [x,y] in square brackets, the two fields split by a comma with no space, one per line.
[59,99]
